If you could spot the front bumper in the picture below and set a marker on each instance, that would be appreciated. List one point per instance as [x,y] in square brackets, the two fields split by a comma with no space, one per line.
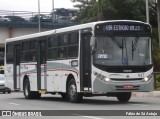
[100,86]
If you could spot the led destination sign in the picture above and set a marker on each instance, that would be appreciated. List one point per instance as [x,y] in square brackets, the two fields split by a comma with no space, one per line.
[110,27]
[122,28]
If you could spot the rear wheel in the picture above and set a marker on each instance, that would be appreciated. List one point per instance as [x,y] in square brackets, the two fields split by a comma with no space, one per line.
[30,94]
[72,93]
[9,91]
[124,97]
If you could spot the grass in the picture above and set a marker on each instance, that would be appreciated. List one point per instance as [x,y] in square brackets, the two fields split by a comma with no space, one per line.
[157,79]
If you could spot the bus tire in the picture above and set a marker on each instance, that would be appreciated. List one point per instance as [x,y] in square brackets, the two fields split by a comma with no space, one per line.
[30,94]
[124,97]
[72,93]
[64,96]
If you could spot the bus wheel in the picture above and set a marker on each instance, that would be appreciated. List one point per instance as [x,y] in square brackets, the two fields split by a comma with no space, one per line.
[73,96]
[30,94]
[124,97]
[64,96]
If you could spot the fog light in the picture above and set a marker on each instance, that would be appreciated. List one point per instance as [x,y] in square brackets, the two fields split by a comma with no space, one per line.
[107,79]
[146,79]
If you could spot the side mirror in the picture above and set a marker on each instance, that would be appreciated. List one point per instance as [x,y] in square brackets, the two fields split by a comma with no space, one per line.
[92,41]
[92,44]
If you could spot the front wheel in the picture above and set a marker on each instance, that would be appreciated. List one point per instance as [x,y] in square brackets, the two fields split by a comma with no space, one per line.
[30,94]
[72,93]
[124,97]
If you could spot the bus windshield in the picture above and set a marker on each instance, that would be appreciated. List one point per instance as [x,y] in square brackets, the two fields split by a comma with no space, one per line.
[122,51]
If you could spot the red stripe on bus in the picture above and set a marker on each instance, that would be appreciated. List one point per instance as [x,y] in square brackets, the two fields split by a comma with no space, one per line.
[56,70]
[64,70]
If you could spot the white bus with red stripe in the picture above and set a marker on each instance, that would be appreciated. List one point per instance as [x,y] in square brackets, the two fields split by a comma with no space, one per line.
[106,58]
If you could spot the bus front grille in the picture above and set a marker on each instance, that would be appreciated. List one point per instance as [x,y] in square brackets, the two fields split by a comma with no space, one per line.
[132,79]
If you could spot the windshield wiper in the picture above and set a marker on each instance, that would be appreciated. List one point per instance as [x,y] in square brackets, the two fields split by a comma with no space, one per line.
[132,50]
[134,45]
[118,45]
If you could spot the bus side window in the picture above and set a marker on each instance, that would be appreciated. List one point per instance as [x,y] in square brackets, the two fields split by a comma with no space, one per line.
[25,51]
[62,46]
[62,52]
[52,41]
[9,53]
[33,50]
[73,45]
[63,39]
[52,47]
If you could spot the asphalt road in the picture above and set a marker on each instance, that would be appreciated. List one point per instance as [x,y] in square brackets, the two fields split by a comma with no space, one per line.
[16,101]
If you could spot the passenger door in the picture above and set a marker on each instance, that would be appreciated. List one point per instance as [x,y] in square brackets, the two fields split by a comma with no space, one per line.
[85,61]
[41,65]
[16,66]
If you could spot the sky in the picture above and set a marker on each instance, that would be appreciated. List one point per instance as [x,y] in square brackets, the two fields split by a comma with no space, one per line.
[32,5]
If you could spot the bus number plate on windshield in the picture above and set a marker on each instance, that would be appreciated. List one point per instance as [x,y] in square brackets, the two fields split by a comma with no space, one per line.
[102,56]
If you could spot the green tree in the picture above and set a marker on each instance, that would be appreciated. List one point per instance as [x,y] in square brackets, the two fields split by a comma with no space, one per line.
[124,9]
[116,9]
[158,14]
[87,10]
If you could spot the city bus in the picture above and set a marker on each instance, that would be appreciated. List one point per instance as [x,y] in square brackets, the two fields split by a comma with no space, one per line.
[104,58]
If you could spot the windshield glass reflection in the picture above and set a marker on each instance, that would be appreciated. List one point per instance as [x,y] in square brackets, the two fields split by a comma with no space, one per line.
[119,51]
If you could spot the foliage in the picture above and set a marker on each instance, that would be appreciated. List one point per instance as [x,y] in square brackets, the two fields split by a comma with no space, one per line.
[157,79]
[156,49]
[123,9]
[116,9]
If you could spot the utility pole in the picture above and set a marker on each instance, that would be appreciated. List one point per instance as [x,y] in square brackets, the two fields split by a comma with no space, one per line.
[53,5]
[147,12]
[39,21]
[100,12]
[52,15]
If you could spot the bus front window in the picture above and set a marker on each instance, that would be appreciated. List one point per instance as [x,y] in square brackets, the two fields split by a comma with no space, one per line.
[122,51]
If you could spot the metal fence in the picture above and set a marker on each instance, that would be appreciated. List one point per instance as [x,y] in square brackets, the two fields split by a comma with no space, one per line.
[24,14]
[28,23]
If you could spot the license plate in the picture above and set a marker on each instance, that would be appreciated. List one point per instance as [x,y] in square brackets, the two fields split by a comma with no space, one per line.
[128,86]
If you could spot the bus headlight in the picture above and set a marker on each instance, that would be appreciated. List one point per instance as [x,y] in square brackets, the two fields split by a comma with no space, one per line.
[107,79]
[148,78]
[104,78]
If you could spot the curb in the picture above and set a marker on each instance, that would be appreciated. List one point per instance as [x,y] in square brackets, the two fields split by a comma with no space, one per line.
[147,94]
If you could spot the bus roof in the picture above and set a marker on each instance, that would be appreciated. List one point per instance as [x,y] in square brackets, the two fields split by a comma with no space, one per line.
[61,30]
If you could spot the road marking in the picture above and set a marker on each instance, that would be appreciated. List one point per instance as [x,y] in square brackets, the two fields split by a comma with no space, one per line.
[91,117]
[140,105]
[13,104]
